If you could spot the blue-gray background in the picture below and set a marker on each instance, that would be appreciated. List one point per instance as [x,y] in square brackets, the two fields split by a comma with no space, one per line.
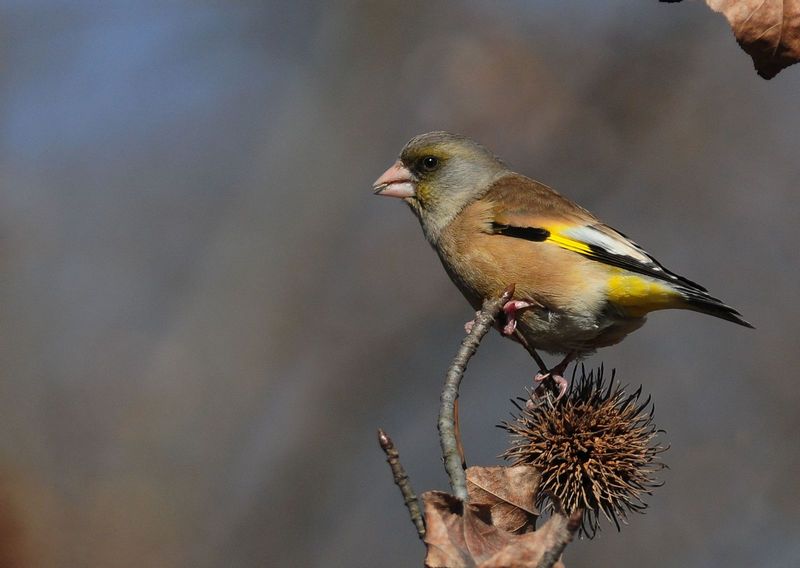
[206,315]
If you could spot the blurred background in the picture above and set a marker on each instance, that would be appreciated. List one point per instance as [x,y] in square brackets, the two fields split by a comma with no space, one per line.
[206,314]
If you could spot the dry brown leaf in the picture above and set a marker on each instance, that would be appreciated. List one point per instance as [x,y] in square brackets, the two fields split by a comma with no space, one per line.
[528,549]
[462,536]
[508,492]
[444,532]
[768,30]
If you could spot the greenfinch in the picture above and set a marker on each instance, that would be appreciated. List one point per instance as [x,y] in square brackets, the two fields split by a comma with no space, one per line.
[579,284]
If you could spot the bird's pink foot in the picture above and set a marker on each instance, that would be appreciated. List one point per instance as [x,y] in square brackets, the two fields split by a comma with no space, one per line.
[560,381]
[510,310]
[556,374]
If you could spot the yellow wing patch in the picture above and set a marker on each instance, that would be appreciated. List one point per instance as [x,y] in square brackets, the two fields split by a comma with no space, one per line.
[635,293]
[639,295]
[567,243]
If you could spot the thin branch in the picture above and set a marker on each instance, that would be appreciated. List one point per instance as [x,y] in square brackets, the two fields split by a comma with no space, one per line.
[447,431]
[536,357]
[401,480]
[565,530]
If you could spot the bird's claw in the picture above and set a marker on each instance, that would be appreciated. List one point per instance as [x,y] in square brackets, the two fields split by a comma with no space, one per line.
[561,383]
[510,310]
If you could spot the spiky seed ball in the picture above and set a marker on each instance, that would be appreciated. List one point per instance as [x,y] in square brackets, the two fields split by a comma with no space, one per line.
[595,449]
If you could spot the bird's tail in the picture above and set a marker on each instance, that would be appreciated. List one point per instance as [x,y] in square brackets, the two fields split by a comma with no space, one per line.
[701,301]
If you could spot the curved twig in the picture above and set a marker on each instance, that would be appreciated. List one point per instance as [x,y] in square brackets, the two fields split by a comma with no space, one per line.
[447,429]
[401,480]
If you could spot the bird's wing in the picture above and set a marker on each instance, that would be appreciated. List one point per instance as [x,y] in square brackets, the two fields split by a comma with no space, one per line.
[526,209]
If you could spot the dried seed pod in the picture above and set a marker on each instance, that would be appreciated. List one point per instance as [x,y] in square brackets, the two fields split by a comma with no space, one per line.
[596,448]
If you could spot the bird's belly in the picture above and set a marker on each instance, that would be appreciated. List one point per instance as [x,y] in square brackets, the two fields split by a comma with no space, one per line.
[581,333]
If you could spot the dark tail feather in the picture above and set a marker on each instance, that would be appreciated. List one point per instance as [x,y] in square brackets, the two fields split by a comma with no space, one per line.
[703,303]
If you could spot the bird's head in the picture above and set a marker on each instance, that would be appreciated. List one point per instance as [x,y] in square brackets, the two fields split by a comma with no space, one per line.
[438,174]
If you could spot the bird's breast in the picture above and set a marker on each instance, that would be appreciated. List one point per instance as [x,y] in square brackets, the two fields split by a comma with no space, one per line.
[483,264]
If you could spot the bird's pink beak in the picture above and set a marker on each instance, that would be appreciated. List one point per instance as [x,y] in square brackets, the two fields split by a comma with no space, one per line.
[397,181]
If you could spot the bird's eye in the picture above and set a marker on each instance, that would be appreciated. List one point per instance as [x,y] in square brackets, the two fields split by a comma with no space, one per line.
[430,163]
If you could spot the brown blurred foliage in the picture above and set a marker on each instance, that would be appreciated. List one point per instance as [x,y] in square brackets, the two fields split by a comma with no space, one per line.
[14,545]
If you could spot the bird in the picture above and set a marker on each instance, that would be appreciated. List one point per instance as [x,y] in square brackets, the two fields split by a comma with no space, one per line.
[579,285]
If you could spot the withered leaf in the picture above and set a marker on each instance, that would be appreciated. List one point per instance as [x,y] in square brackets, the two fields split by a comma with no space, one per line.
[767,30]
[528,549]
[508,492]
[462,536]
[444,531]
